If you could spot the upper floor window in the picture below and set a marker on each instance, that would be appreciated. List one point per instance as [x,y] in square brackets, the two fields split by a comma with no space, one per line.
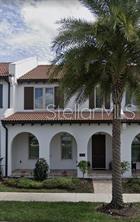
[49,97]
[43,98]
[1,96]
[38,98]
[98,100]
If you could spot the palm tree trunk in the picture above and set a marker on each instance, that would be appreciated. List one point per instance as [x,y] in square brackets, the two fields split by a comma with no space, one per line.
[117,199]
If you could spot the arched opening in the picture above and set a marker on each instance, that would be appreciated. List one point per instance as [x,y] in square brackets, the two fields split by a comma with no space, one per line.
[63,154]
[25,152]
[135,153]
[100,151]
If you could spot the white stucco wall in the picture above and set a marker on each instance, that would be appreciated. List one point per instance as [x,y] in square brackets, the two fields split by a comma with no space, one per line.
[21,67]
[20,153]
[45,133]
[55,155]
[17,92]
[5,97]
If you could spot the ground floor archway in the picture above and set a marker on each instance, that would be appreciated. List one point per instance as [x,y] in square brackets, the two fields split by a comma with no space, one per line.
[25,152]
[100,151]
[63,154]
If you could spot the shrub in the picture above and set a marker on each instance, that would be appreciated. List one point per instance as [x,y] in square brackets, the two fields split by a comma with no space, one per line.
[66,183]
[26,183]
[10,182]
[84,166]
[58,182]
[125,166]
[132,185]
[41,169]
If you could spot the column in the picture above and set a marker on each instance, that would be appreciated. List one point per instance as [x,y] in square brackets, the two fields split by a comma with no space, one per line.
[82,154]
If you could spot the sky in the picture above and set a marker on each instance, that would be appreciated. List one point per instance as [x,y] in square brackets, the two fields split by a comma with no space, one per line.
[28,27]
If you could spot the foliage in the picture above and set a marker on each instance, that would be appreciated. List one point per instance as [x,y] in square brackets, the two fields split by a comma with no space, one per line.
[58,183]
[24,183]
[100,52]
[131,185]
[84,166]
[10,182]
[125,166]
[41,169]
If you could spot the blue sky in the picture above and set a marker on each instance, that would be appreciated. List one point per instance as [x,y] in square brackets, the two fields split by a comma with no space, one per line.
[27,27]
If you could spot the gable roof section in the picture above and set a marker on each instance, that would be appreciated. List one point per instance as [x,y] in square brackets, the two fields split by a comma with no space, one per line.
[63,117]
[40,73]
[4,70]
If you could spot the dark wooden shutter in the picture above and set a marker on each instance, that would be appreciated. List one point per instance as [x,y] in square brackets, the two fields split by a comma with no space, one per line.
[28,98]
[1,96]
[59,98]
[91,100]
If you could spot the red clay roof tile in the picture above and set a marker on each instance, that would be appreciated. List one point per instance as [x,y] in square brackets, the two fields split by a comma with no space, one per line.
[4,69]
[40,73]
[24,117]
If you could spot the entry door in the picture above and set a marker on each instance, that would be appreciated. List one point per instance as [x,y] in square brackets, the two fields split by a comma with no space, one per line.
[98,151]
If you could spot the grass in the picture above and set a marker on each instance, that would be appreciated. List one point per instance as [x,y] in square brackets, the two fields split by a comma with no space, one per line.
[55,212]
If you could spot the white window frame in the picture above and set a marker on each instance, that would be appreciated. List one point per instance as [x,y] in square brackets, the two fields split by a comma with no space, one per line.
[44,98]
[53,103]
[65,159]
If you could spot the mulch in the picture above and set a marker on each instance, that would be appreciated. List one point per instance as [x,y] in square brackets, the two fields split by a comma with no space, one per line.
[128,211]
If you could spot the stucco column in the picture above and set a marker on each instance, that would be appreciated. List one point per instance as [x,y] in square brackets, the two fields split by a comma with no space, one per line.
[82,153]
[9,157]
[126,149]
[44,149]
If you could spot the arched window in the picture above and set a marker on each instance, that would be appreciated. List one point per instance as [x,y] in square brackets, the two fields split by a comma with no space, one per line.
[66,146]
[33,147]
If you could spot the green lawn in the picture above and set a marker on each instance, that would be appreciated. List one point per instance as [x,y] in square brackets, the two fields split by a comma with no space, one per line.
[54,212]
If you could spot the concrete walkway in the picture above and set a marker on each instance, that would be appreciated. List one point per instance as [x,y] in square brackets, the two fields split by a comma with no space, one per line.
[64,197]
[102,186]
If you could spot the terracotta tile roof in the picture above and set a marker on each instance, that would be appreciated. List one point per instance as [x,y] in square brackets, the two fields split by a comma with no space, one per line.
[40,73]
[75,117]
[4,69]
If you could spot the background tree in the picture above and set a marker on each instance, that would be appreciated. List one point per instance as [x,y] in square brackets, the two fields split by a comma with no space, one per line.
[106,53]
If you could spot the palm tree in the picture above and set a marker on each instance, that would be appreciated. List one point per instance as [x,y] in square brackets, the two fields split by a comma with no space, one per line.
[105,52]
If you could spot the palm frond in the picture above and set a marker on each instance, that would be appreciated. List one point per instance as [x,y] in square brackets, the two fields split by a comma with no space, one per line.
[97,7]
[72,33]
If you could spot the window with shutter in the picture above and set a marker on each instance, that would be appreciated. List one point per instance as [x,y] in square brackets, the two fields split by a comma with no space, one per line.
[59,98]
[28,98]
[92,100]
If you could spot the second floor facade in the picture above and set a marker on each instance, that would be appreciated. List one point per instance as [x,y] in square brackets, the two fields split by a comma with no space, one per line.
[25,86]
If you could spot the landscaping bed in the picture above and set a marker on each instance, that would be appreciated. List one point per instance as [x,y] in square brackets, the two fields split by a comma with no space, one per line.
[58,184]
[131,185]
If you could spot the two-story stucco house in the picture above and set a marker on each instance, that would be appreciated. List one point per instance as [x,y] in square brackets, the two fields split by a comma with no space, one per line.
[36,123]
